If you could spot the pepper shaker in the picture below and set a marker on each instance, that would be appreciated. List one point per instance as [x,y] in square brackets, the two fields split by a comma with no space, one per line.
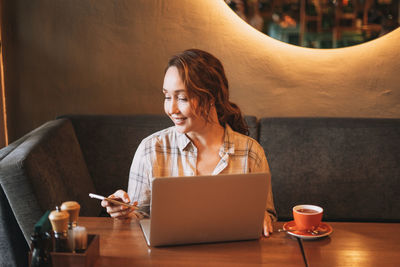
[59,221]
[73,208]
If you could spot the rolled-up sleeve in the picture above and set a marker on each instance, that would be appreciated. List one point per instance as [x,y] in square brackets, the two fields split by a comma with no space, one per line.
[263,166]
[139,177]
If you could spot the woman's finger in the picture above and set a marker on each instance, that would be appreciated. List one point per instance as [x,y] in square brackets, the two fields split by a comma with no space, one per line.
[267,229]
[121,194]
[115,208]
[121,213]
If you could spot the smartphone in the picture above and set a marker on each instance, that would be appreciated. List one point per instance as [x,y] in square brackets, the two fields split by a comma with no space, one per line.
[116,202]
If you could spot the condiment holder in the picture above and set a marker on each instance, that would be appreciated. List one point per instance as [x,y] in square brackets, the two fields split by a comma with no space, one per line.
[72,246]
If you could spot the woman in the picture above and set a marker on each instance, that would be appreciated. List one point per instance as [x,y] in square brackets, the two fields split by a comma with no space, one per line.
[208,136]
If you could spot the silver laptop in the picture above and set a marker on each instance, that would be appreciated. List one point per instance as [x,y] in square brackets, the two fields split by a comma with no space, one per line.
[202,209]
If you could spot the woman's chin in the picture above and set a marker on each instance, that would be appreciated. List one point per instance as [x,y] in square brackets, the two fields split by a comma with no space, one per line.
[180,128]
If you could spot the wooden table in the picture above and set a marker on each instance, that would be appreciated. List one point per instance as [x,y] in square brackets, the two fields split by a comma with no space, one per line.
[356,244]
[122,244]
[351,244]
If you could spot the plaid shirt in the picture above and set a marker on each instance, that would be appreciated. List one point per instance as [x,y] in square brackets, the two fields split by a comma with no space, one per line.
[170,153]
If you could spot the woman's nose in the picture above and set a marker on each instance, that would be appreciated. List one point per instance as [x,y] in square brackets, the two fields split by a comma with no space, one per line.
[173,107]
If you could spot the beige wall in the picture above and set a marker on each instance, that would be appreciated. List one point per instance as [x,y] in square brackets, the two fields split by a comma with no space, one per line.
[108,57]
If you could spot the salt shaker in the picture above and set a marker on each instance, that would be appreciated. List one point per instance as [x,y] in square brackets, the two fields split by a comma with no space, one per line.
[80,236]
[59,221]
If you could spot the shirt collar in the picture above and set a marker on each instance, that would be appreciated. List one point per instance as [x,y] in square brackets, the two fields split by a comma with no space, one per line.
[183,140]
[228,146]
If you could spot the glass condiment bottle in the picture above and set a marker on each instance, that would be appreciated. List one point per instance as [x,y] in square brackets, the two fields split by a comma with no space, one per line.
[40,250]
[41,244]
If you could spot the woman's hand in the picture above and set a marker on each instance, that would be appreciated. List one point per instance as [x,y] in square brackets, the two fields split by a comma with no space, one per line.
[267,228]
[119,211]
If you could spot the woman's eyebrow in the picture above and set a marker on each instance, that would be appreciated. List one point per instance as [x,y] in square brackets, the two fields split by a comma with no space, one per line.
[175,91]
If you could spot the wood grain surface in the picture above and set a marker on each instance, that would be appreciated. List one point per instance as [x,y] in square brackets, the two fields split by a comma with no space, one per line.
[356,244]
[122,244]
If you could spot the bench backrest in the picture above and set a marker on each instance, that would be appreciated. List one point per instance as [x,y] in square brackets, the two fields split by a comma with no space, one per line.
[351,167]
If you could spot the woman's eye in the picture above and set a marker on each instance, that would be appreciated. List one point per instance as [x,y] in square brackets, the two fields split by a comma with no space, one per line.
[182,98]
[167,98]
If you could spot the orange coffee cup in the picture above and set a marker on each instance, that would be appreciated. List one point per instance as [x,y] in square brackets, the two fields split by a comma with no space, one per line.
[307,217]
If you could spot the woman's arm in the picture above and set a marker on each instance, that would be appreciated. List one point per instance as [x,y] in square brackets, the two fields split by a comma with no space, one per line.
[137,189]
[262,166]
[139,177]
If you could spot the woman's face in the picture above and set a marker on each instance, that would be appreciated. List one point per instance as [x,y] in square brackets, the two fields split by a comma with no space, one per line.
[177,104]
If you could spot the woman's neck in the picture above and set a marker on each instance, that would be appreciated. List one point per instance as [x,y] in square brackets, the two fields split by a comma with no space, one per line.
[210,136]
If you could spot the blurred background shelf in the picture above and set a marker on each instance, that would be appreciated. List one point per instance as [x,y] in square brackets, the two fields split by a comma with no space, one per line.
[320,23]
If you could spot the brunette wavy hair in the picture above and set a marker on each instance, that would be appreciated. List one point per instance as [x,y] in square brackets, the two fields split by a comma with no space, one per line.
[204,78]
